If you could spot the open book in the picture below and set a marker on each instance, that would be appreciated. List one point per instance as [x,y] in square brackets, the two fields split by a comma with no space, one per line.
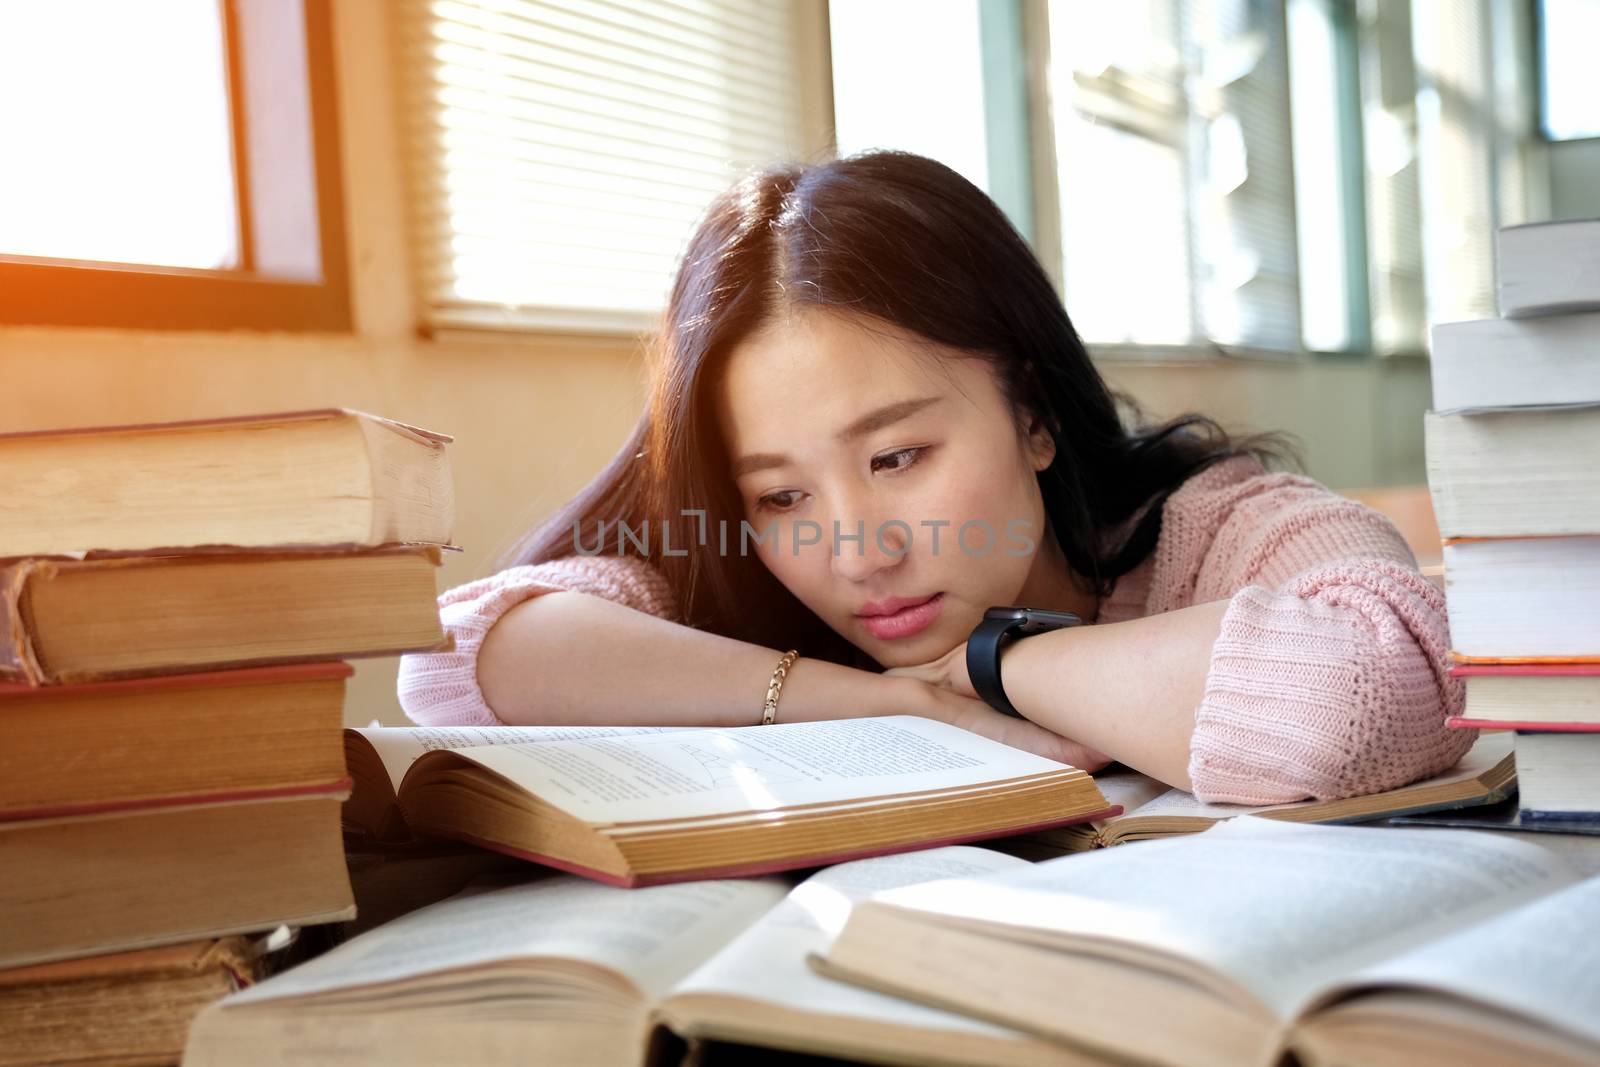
[588,973]
[1487,774]
[378,758]
[636,809]
[1342,944]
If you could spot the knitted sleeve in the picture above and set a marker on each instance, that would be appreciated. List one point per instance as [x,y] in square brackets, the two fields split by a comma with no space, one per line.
[1330,676]
[441,688]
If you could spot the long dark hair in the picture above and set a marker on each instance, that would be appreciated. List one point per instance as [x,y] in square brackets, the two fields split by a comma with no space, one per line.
[904,239]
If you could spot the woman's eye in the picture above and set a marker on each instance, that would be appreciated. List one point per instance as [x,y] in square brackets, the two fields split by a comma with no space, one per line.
[898,460]
[777,501]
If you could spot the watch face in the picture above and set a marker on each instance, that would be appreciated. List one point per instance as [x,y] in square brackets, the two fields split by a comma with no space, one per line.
[1008,614]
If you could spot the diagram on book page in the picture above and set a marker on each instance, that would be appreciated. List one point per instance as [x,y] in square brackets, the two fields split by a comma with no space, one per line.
[722,769]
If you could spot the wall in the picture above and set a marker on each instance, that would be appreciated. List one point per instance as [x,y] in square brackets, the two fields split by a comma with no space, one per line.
[1575,179]
[535,417]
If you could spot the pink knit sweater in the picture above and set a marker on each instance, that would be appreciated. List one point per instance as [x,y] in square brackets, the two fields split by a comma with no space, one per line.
[1328,679]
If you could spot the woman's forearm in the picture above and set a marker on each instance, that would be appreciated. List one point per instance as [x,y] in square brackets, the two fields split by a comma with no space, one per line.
[572,658]
[1128,689]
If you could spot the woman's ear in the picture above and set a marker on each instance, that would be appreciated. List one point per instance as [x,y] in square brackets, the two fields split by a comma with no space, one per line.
[1041,446]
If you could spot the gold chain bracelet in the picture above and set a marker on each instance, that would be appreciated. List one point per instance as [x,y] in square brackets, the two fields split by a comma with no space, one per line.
[770,711]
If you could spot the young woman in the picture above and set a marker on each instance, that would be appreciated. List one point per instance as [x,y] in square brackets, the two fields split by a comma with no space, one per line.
[864,379]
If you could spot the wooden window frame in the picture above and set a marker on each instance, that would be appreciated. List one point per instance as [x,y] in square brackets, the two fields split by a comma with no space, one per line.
[293,272]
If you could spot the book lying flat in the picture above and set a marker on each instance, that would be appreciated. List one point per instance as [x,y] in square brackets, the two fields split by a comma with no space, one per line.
[327,478]
[1507,816]
[1548,268]
[67,621]
[1491,364]
[708,803]
[1558,776]
[122,1008]
[87,884]
[1486,774]
[1530,696]
[179,740]
[589,973]
[1524,599]
[1257,939]
[1515,473]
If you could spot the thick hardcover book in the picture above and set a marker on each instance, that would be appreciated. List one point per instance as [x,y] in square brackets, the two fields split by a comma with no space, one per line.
[121,1008]
[1558,775]
[1523,600]
[1495,364]
[1548,268]
[1530,696]
[669,806]
[92,620]
[325,478]
[178,740]
[80,885]
[1515,473]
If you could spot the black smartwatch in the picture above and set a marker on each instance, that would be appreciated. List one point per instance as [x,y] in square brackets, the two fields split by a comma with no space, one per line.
[998,628]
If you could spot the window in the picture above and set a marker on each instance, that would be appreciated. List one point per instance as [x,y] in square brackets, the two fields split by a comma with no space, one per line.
[1171,147]
[166,134]
[169,165]
[908,74]
[1569,88]
[564,151]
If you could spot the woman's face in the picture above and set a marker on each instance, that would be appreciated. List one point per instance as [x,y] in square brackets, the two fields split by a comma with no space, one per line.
[836,422]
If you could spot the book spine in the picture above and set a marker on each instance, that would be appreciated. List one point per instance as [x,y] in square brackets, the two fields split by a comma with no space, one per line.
[1555,818]
[1461,722]
[17,660]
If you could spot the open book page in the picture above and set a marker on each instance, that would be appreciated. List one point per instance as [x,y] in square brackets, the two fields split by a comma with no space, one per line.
[757,768]
[1131,789]
[1489,750]
[1281,908]
[768,961]
[653,935]
[399,746]
[1538,960]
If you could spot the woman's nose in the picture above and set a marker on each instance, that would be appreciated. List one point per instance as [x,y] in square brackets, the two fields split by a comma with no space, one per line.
[862,547]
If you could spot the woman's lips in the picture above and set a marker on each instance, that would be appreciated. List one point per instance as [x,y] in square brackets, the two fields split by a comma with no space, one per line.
[906,621]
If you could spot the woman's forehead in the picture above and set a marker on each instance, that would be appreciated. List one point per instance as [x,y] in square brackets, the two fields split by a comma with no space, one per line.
[817,371]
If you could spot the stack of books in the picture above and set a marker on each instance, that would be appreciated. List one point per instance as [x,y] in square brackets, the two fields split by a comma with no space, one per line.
[176,601]
[1513,451]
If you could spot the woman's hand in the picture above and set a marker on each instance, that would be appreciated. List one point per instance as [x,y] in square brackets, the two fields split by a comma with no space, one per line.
[938,702]
[949,671]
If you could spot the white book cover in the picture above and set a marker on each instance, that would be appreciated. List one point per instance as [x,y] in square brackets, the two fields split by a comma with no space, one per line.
[1493,364]
[1548,268]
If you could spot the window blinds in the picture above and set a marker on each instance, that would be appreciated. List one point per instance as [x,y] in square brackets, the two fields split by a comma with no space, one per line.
[563,150]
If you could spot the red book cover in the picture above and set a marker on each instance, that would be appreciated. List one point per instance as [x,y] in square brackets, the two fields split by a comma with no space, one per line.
[340,788]
[295,672]
[1554,668]
[1461,722]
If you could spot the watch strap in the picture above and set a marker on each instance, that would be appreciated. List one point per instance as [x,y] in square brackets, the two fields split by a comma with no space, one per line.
[983,662]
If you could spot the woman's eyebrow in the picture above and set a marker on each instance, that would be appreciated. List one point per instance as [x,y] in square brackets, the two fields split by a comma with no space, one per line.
[871,422]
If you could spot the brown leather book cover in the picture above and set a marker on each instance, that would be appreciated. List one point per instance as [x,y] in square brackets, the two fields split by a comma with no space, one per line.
[20,659]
